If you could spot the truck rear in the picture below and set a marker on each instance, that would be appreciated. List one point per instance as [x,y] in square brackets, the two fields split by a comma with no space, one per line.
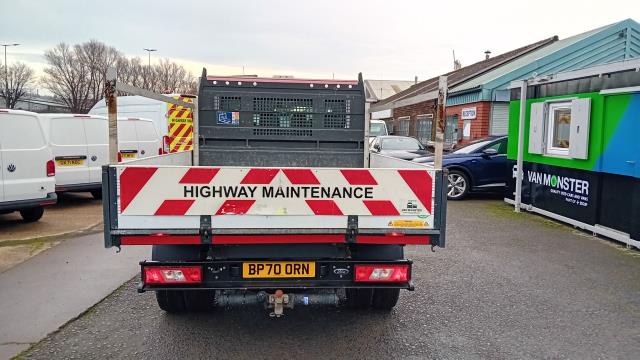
[278,204]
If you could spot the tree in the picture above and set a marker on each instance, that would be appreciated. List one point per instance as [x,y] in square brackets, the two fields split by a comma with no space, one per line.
[98,57]
[15,83]
[76,75]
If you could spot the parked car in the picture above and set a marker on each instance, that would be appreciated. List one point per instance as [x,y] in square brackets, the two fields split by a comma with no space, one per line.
[80,146]
[477,166]
[27,169]
[400,147]
[377,128]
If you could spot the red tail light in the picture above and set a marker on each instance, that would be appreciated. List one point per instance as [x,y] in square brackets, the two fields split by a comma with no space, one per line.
[160,151]
[381,273]
[119,156]
[166,143]
[173,275]
[51,168]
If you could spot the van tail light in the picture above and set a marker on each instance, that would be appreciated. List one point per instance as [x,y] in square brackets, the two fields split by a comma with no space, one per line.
[51,168]
[381,273]
[119,156]
[166,142]
[161,151]
[172,275]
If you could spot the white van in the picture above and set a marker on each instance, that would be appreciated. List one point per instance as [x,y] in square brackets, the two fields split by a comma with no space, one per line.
[137,107]
[157,111]
[80,145]
[377,128]
[27,168]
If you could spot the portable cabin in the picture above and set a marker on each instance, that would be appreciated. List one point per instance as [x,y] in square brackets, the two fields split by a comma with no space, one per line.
[581,148]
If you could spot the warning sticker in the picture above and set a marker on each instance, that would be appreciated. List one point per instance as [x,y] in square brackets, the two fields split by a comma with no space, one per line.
[228,118]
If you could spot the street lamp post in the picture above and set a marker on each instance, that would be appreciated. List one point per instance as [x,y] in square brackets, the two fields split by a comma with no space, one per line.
[6,71]
[149,52]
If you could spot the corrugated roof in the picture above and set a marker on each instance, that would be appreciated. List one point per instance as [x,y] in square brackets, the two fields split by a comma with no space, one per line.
[463,74]
[598,46]
[377,90]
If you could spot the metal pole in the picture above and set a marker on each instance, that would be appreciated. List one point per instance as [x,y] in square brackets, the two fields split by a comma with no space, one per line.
[519,162]
[6,74]
[195,152]
[111,98]
[6,77]
[440,116]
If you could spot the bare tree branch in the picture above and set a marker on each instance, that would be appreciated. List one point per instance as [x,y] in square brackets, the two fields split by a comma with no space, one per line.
[18,78]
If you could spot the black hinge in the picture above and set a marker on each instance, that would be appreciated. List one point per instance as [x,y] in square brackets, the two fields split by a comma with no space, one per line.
[352,228]
[205,229]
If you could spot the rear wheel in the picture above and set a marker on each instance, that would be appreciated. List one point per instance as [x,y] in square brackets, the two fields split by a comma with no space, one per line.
[458,185]
[97,194]
[385,299]
[178,301]
[32,214]
[359,298]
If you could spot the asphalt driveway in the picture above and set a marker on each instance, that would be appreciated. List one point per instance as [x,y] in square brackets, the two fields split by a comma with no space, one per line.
[507,286]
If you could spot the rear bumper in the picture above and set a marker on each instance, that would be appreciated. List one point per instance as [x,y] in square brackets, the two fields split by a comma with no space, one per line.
[78,187]
[227,275]
[51,199]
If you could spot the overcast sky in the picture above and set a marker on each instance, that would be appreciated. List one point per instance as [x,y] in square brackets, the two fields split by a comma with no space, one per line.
[305,38]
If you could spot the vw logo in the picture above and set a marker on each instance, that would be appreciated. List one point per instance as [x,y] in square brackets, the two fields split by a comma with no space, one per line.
[11,168]
[94,158]
[142,152]
[341,271]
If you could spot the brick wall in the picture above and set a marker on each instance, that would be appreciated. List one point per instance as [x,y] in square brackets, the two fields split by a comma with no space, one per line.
[479,125]
[426,107]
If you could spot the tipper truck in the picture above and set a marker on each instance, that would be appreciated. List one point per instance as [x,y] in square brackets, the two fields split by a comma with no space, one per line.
[278,204]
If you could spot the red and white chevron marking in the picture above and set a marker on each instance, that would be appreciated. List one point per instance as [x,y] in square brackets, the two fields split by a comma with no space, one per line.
[188,191]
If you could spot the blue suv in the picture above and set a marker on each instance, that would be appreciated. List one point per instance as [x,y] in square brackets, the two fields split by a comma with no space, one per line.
[477,166]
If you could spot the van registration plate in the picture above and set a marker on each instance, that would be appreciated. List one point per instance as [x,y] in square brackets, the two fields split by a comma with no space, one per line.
[130,155]
[278,270]
[70,162]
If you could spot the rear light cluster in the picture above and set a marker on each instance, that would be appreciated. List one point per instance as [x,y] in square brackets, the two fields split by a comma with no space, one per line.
[166,142]
[173,275]
[381,273]
[119,156]
[51,168]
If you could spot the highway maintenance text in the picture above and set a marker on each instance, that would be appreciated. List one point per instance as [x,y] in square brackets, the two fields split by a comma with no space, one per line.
[284,192]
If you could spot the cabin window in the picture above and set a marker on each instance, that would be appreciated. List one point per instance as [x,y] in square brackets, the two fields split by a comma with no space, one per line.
[559,128]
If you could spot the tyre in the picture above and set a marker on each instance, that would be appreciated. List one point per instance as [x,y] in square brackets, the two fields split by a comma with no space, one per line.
[458,185]
[359,299]
[179,301]
[97,194]
[385,299]
[171,301]
[32,214]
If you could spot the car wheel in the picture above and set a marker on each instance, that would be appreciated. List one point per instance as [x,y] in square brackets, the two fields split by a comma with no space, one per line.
[33,214]
[97,194]
[458,185]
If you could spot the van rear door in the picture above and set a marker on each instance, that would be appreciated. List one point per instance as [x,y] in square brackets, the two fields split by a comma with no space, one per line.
[69,145]
[24,157]
[148,140]
[127,140]
[96,130]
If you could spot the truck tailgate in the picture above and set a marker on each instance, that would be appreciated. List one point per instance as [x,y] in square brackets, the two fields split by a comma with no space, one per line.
[223,205]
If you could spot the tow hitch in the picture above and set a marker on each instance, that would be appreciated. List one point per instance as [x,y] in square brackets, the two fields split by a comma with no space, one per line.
[278,302]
